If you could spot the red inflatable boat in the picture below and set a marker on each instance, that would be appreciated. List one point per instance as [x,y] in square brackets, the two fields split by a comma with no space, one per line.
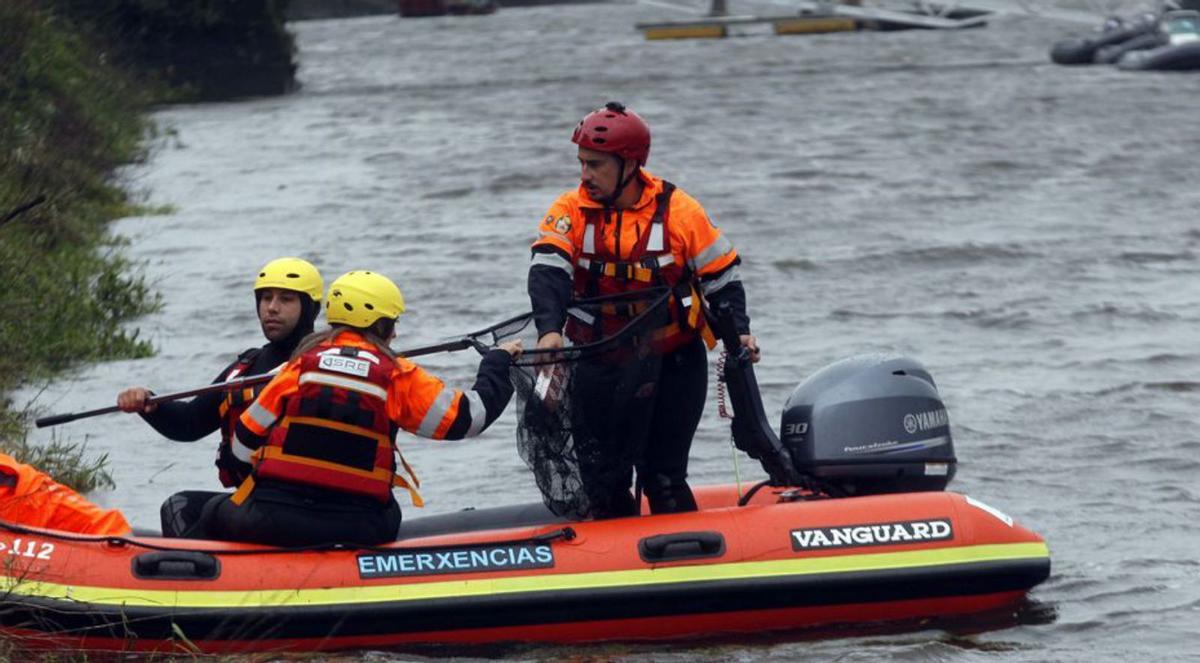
[779,562]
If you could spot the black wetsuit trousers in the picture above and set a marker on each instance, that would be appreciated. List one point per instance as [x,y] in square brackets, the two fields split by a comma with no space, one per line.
[667,424]
[282,515]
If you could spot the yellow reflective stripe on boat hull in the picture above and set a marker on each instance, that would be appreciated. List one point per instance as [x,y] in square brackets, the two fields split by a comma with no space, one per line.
[416,591]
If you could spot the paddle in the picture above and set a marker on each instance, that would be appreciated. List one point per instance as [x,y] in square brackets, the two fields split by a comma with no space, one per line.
[468,341]
[55,419]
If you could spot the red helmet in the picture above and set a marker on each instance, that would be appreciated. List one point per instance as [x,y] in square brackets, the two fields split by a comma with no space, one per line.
[614,129]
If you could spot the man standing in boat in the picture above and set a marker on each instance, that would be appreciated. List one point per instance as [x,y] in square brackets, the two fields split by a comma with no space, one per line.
[625,230]
[287,294]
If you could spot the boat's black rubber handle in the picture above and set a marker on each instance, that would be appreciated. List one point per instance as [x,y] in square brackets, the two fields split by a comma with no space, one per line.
[681,545]
[176,565]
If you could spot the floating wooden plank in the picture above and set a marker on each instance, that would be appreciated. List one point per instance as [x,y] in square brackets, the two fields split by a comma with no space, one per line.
[688,31]
[815,18]
[815,25]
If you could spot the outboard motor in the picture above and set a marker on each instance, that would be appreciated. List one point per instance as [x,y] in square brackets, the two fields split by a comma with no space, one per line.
[870,424]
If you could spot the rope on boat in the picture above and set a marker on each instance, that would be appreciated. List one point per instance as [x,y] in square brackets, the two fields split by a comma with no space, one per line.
[563,534]
[724,413]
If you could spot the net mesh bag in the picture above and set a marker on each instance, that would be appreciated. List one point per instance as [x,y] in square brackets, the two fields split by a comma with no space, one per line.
[583,412]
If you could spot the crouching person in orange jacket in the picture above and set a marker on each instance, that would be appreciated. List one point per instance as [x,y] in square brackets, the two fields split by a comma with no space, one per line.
[30,497]
[323,430]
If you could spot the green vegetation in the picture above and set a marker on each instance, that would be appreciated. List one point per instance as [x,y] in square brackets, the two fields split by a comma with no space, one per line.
[67,462]
[76,77]
[207,49]
[67,119]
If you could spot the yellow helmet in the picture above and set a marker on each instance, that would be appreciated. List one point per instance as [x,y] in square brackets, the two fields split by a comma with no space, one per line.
[359,298]
[291,274]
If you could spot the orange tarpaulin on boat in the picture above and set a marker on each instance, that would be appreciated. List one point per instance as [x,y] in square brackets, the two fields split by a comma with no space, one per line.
[29,496]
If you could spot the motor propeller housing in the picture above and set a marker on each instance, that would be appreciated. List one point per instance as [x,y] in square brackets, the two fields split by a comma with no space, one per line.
[870,424]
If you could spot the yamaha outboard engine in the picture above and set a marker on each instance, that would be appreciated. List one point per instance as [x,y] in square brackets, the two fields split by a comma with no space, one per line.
[870,424]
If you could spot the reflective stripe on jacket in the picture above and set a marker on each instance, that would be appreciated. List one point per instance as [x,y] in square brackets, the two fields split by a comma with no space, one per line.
[664,239]
[335,432]
[233,458]
[396,393]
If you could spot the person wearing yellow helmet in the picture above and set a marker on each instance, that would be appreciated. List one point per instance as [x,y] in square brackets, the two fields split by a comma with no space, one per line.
[324,429]
[287,296]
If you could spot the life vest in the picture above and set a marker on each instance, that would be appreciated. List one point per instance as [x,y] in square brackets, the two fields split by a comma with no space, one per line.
[231,470]
[335,432]
[650,263]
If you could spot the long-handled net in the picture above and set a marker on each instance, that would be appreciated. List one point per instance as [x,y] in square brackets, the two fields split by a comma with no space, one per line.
[583,411]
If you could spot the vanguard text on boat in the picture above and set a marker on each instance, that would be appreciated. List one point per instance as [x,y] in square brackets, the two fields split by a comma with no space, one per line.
[856,530]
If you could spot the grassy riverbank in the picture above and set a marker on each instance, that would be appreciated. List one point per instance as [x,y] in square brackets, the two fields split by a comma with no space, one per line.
[67,120]
[76,80]
[210,50]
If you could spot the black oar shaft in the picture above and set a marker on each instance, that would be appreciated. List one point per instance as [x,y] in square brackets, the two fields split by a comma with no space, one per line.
[448,346]
[54,420]
[159,398]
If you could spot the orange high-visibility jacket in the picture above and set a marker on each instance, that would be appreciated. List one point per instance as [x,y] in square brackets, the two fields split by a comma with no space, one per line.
[665,239]
[37,500]
[693,240]
[416,401]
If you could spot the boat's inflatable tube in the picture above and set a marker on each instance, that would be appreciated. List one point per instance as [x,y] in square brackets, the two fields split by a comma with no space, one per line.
[1179,50]
[777,563]
[1113,53]
[1182,57]
[1116,30]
